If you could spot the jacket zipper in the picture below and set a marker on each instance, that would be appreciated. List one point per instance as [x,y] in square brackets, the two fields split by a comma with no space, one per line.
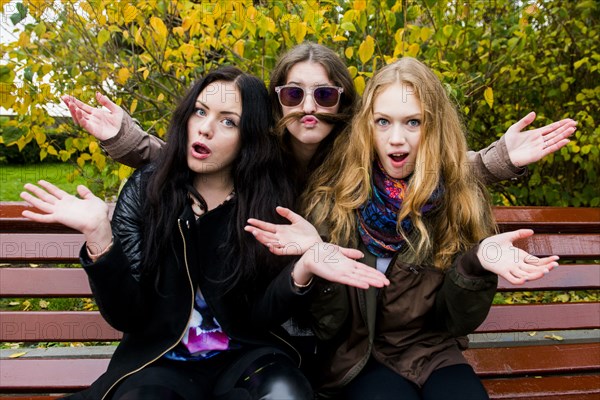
[187,269]
[290,346]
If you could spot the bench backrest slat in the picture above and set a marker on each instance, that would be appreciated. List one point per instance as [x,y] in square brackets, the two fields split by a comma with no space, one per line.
[55,326]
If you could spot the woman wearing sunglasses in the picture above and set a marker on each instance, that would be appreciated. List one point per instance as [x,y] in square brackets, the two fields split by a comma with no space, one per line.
[313,101]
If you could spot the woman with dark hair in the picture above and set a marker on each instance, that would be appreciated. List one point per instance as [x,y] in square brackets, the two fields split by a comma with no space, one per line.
[199,301]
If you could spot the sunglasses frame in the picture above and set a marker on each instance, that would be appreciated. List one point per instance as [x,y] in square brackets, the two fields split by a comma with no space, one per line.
[306,92]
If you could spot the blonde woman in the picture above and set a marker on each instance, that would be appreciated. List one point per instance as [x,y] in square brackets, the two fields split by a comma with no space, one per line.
[406,196]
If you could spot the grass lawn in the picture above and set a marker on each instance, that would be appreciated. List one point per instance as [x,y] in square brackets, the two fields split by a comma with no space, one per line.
[13,177]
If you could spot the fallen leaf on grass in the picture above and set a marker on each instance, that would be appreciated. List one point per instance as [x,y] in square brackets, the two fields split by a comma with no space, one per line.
[17,355]
[554,337]
[532,333]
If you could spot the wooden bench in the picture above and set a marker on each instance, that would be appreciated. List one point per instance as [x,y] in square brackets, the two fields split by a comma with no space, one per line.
[531,351]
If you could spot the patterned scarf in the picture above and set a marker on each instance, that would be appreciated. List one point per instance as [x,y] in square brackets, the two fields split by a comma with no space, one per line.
[377,219]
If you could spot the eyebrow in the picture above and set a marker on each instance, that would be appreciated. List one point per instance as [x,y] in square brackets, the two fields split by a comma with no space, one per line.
[198,102]
[301,84]
[411,116]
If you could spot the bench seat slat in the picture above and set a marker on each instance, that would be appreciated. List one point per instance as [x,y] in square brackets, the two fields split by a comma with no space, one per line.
[528,360]
[541,317]
[54,375]
[580,387]
[50,326]
[44,282]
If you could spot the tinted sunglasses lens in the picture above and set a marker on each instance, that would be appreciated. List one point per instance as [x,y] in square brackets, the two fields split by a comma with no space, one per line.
[291,96]
[326,96]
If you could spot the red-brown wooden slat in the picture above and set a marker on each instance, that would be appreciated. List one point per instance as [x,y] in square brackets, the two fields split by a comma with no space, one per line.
[535,360]
[549,219]
[44,282]
[55,326]
[581,387]
[38,247]
[565,277]
[50,374]
[541,317]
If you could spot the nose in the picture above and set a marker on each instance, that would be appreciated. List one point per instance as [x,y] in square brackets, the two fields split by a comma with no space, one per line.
[205,127]
[309,106]
[397,136]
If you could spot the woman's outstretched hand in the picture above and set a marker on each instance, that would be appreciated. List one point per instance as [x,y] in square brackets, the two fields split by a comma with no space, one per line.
[101,123]
[293,239]
[498,255]
[337,264]
[88,214]
[526,147]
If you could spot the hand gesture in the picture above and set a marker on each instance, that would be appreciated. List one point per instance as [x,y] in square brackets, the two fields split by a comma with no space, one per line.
[101,123]
[498,255]
[294,239]
[337,264]
[526,147]
[88,214]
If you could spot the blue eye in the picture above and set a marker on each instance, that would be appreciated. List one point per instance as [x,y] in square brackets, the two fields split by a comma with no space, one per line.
[414,123]
[200,112]
[382,122]
[229,123]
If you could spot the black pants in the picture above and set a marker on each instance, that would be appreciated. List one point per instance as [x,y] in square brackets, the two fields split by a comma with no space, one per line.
[377,382]
[264,374]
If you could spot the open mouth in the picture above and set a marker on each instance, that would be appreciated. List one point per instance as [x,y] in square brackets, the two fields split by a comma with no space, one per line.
[398,157]
[201,148]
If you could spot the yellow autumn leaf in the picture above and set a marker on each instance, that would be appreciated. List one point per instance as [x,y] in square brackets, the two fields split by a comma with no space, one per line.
[349,52]
[366,49]
[359,5]
[554,337]
[413,50]
[159,27]
[238,47]
[359,84]
[122,75]
[93,146]
[133,106]
[17,355]
[43,303]
[129,13]
[488,95]
[425,33]
[145,74]
[532,333]
[124,172]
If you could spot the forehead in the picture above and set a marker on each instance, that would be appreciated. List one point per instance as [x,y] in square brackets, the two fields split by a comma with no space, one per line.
[221,95]
[397,98]
[308,73]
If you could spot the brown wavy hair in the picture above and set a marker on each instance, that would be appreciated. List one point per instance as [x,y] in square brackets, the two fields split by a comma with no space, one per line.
[465,215]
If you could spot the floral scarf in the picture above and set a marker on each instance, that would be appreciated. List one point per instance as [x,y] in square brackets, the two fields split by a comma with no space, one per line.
[377,219]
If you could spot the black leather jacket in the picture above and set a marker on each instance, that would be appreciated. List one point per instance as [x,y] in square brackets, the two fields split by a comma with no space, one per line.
[153,313]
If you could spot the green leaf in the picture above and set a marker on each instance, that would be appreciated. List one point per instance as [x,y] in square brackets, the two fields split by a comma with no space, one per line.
[20,15]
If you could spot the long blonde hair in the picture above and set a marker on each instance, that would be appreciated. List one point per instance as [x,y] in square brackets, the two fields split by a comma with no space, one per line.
[464,218]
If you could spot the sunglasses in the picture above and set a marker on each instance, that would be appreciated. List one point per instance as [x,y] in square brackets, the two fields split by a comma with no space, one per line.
[324,96]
